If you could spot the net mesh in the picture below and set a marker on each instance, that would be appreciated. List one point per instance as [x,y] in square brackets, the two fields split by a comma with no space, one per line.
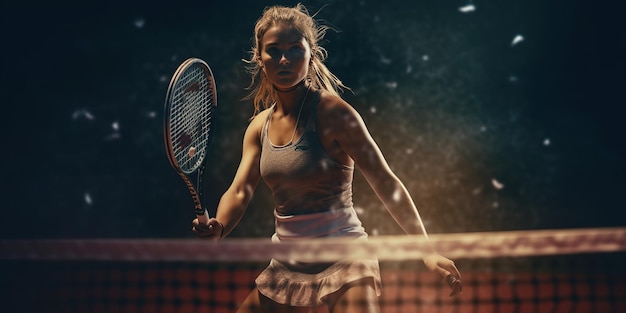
[534,271]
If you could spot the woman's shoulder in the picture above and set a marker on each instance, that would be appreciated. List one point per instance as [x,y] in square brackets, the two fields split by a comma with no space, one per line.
[261,116]
[329,101]
[257,122]
[332,105]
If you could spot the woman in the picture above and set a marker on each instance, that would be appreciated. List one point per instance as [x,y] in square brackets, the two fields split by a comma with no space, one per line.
[304,142]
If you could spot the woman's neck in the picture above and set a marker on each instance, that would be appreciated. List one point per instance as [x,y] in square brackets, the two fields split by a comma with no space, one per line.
[290,89]
[291,100]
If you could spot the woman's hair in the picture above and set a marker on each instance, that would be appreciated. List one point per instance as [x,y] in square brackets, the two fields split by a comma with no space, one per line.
[319,75]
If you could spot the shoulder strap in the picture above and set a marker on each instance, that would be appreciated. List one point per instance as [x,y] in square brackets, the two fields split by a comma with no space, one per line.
[266,124]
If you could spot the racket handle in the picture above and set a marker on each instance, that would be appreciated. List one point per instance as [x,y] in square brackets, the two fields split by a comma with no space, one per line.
[203,218]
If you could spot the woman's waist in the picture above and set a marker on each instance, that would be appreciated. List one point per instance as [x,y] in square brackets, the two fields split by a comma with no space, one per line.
[301,200]
[342,222]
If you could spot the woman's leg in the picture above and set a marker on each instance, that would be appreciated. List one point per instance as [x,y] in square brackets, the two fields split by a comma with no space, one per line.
[252,303]
[358,296]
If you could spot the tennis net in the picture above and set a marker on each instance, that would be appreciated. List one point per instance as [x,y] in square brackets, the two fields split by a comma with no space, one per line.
[572,270]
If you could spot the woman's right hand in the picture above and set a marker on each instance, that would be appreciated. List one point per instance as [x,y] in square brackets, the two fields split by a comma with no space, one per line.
[213,229]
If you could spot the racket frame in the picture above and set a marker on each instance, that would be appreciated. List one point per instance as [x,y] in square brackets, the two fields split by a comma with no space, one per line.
[197,191]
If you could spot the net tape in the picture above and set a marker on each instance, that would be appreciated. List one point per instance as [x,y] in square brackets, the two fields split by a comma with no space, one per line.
[386,248]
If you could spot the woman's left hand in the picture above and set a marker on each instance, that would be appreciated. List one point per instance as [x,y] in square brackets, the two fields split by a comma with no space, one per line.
[446,269]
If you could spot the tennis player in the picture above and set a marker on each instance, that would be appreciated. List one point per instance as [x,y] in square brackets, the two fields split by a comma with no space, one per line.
[304,141]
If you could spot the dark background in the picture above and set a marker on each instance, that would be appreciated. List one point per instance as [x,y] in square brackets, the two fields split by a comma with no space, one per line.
[456,108]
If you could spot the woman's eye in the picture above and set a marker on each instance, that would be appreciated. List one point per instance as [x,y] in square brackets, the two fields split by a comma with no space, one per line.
[273,51]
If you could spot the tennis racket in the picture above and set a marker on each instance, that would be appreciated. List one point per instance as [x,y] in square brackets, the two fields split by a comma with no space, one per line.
[189,123]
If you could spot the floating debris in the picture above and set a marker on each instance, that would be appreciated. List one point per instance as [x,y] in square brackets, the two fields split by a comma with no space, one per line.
[496,184]
[517,39]
[467,8]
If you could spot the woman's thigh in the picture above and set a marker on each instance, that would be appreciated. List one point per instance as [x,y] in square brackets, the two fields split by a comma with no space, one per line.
[359,296]
[251,304]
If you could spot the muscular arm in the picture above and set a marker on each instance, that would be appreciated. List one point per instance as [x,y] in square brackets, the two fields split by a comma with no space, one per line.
[347,128]
[235,200]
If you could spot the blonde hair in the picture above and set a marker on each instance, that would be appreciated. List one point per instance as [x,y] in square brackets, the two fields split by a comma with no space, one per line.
[319,75]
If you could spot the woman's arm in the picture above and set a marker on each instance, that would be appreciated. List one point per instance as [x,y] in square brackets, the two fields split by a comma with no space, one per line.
[347,128]
[235,200]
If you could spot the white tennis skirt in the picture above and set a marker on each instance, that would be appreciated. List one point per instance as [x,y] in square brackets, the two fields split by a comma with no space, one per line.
[308,285]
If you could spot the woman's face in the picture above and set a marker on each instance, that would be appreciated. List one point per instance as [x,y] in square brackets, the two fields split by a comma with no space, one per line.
[284,56]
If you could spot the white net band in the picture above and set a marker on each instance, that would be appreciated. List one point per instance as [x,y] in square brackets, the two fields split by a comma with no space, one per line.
[386,248]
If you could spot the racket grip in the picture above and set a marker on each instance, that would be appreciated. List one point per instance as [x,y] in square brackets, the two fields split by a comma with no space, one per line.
[203,216]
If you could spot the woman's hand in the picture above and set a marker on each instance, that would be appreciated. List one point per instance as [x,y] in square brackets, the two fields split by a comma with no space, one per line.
[213,229]
[446,269]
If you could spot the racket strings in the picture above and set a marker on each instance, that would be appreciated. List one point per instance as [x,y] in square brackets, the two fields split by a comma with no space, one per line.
[191,118]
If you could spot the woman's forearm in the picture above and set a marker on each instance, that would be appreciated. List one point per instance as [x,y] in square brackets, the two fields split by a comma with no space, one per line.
[231,208]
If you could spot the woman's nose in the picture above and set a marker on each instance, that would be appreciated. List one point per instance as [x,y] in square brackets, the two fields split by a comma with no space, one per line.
[283,59]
